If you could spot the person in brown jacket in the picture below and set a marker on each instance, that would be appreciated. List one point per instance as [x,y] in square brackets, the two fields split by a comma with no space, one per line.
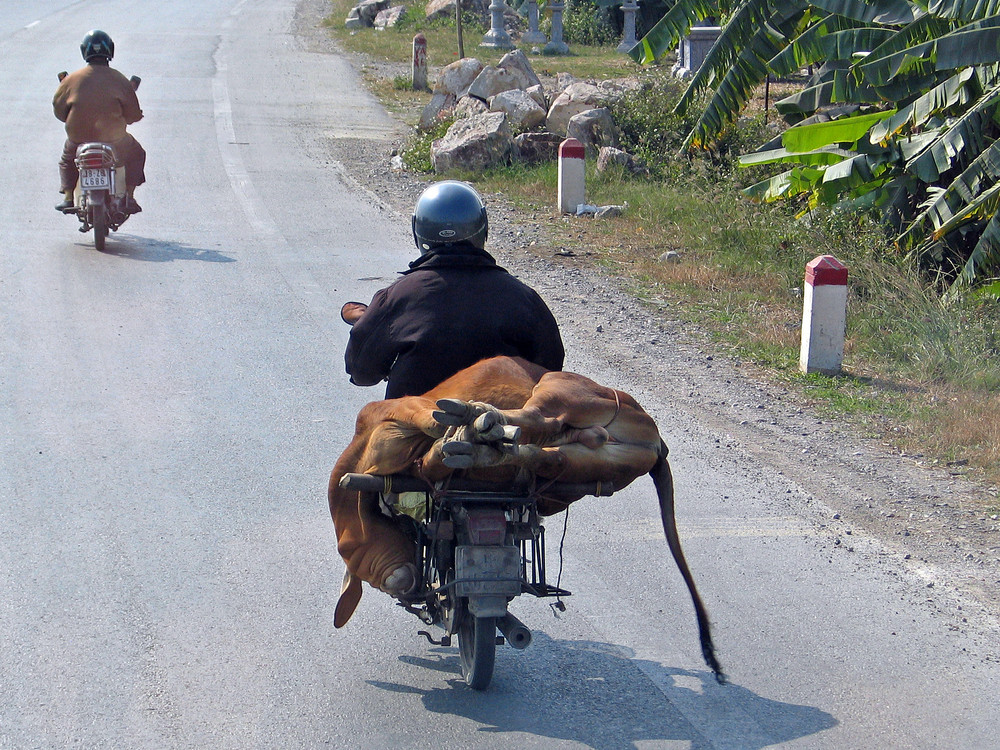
[97,103]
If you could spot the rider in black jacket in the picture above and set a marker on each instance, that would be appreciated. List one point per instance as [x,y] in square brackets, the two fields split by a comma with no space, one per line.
[452,308]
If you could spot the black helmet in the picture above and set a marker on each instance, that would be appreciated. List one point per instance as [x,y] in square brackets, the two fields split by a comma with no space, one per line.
[449,213]
[97,44]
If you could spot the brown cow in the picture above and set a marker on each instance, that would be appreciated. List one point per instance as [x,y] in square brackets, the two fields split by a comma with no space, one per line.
[498,417]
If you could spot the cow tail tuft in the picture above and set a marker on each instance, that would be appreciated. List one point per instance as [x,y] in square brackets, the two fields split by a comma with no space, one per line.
[664,482]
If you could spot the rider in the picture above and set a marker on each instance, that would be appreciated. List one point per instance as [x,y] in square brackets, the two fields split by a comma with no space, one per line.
[97,103]
[452,308]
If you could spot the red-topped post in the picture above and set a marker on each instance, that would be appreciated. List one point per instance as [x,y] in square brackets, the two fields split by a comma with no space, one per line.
[824,316]
[572,175]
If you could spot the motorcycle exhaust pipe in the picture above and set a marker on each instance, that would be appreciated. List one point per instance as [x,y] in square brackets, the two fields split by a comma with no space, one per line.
[515,631]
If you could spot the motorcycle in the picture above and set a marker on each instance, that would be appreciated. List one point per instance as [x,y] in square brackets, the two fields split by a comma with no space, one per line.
[478,546]
[100,199]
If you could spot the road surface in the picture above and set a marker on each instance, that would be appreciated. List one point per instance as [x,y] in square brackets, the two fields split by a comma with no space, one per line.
[171,409]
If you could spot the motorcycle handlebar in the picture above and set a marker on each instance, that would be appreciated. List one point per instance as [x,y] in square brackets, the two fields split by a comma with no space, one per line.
[404,483]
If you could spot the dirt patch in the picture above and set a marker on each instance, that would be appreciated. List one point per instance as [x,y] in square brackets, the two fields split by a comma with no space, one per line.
[944,526]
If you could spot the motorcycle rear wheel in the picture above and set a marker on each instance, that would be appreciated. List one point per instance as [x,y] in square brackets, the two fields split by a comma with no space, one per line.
[477,644]
[100,222]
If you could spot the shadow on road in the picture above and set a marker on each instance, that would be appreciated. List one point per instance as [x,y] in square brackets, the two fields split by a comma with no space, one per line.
[158,251]
[600,696]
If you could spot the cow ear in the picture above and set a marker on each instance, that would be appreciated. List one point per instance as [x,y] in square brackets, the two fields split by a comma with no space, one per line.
[350,595]
[351,311]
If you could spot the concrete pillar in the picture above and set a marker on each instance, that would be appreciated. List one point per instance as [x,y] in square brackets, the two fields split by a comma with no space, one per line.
[497,37]
[533,35]
[572,175]
[629,9]
[557,46]
[824,316]
[693,49]
[419,67]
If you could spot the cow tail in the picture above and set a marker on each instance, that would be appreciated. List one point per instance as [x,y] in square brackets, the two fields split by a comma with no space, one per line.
[664,482]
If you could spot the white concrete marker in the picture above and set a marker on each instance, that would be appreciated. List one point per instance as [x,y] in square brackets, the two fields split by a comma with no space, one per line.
[572,175]
[418,73]
[824,316]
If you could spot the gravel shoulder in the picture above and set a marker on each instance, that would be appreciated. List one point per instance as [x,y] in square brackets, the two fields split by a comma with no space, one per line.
[938,523]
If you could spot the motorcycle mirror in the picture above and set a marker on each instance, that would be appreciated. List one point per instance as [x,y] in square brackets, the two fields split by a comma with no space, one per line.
[352,311]
[135,80]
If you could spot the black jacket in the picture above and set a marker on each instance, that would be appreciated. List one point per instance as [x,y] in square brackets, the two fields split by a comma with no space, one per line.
[451,309]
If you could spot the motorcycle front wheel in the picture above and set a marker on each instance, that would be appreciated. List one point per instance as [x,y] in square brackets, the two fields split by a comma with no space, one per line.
[100,222]
[477,644]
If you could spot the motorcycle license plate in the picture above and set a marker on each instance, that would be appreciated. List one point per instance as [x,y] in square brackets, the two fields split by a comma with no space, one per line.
[95,178]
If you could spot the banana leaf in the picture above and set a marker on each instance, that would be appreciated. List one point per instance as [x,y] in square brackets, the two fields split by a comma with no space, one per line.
[984,260]
[959,141]
[944,203]
[845,130]
[808,46]
[964,10]
[885,12]
[952,92]
[824,156]
[785,185]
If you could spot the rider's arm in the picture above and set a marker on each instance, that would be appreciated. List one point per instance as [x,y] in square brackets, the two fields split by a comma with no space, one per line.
[129,102]
[370,352]
[60,102]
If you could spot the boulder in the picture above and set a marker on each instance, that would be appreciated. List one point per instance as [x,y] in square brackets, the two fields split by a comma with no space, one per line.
[492,81]
[368,9]
[354,20]
[389,17]
[523,112]
[608,156]
[517,63]
[565,80]
[473,144]
[456,78]
[446,8]
[577,98]
[593,128]
[470,106]
[438,104]
[538,94]
[534,148]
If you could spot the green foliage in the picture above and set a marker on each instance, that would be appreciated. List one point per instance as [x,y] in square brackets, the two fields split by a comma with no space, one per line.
[585,22]
[650,128]
[417,153]
[901,114]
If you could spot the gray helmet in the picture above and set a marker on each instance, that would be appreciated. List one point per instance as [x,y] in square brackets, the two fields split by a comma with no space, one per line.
[449,213]
[97,44]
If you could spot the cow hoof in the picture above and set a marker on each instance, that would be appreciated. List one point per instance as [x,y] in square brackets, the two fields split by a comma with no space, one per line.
[453,412]
[457,448]
[401,581]
[458,462]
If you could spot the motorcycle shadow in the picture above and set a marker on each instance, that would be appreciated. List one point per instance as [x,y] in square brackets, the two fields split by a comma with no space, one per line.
[159,251]
[601,696]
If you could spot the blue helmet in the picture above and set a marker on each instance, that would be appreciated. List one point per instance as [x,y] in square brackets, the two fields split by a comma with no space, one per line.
[449,213]
[97,44]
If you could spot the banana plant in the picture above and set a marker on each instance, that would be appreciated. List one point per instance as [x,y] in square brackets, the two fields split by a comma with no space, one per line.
[902,115]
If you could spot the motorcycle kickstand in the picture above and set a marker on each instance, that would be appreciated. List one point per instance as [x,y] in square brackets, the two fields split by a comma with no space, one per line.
[445,639]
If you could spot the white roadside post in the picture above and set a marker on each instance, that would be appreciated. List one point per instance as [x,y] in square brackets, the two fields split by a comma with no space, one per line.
[824,316]
[419,64]
[572,175]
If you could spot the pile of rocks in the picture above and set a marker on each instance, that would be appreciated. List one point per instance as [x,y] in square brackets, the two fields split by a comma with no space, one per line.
[379,14]
[490,103]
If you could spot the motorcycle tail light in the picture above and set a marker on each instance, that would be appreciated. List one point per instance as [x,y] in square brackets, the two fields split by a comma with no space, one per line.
[487,526]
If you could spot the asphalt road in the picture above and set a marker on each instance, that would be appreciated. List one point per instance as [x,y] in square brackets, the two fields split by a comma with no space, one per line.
[170,410]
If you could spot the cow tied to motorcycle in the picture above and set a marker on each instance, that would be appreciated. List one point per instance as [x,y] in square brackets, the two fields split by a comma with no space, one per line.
[495,421]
